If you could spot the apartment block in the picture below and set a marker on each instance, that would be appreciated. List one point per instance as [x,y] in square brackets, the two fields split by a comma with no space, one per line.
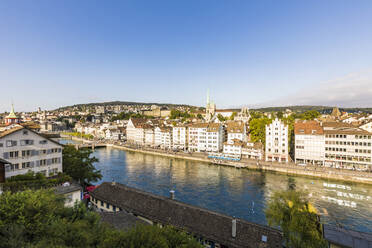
[347,146]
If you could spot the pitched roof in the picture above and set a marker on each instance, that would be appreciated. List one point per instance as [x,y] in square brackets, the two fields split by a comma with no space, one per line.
[343,128]
[347,238]
[18,127]
[235,127]
[138,122]
[61,190]
[308,128]
[10,131]
[213,127]
[121,220]
[208,224]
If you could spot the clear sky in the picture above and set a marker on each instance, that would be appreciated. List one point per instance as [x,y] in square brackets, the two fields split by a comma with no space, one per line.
[56,53]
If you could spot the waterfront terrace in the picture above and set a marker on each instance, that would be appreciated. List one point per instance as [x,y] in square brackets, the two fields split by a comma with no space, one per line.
[216,228]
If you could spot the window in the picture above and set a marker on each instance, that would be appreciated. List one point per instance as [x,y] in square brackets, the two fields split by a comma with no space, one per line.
[114,208]
[10,143]
[101,203]
[43,142]
[107,205]
[13,154]
[1,144]
[25,132]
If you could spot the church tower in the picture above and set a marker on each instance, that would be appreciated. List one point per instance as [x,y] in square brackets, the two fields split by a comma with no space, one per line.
[12,118]
[210,108]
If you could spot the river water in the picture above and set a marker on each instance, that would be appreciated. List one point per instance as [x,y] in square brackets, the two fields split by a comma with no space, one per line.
[236,192]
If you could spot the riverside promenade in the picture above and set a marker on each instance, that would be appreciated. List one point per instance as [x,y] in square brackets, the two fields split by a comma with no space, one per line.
[289,168]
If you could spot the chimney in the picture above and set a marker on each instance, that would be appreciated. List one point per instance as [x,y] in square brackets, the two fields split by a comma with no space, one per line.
[171,194]
[233,228]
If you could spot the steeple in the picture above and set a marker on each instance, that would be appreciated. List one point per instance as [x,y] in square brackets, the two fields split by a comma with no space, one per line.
[12,117]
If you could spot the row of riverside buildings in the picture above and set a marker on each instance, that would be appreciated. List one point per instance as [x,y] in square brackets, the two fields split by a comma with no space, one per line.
[232,138]
[330,144]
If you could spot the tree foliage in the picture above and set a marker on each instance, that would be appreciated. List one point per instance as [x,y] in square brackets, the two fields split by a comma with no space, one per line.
[221,118]
[294,214]
[177,114]
[127,116]
[79,164]
[151,236]
[258,129]
[39,219]
[31,180]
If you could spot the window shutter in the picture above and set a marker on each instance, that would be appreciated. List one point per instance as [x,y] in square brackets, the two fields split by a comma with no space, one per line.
[14,143]
[37,163]
[6,155]
[32,164]
[49,161]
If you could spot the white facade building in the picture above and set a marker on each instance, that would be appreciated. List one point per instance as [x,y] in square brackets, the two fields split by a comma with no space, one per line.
[276,142]
[27,150]
[149,135]
[347,146]
[163,137]
[179,137]
[135,131]
[236,130]
[206,137]
[309,142]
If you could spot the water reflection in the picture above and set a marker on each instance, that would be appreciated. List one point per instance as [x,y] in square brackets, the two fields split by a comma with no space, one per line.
[236,192]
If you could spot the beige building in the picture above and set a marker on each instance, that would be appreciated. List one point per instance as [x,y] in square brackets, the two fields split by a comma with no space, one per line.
[309,142]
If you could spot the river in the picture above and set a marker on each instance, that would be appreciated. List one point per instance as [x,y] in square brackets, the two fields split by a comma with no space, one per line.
[236,192]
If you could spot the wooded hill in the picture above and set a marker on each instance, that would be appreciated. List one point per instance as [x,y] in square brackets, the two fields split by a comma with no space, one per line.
[320,109]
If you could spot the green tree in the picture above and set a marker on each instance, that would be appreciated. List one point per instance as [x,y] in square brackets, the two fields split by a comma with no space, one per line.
[39,219]
[79,164]
[200,116]
[233,116]
[151,236]
[221,118]
[279,114]
[310,115]
[298,219]
[258,129]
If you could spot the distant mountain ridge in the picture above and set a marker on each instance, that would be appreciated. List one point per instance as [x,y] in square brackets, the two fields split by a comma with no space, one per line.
[303,108]
[112,103]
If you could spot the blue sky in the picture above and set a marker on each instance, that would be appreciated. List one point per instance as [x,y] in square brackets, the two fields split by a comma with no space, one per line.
[56,53]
